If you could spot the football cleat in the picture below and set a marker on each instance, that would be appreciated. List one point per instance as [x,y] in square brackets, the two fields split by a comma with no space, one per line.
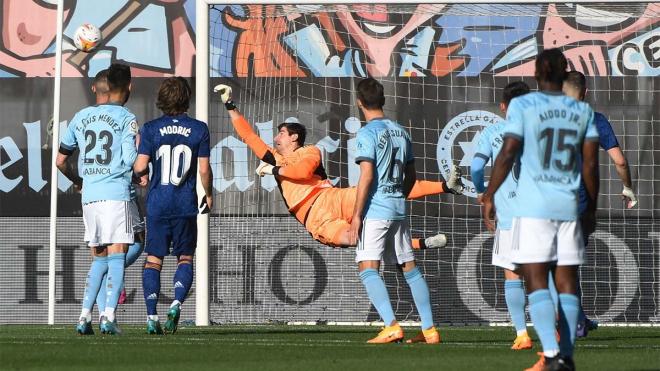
[109,328]
[429,336]
[539,365]
[153,328]
[454,183]
[436,242]
[390,334]
[559,363]
[172,319]
[522,342]
[84,327]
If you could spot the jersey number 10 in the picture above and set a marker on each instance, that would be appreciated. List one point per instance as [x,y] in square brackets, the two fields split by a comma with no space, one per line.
[170,161]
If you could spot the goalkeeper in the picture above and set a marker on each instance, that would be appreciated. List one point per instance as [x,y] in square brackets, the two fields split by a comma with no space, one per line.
[325,211]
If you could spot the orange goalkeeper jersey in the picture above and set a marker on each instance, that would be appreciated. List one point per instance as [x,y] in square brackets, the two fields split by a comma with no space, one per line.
[300,175]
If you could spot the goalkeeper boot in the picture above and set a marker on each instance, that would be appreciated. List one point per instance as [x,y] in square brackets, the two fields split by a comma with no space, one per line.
[522,341]
[172,319]
[153,327]
[390,334]
[559,363]
[429,336]
[84,327]
[540,364]
[109,327]
[436,242]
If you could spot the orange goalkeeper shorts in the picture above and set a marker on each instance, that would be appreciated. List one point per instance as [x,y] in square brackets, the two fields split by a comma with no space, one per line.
[331,214]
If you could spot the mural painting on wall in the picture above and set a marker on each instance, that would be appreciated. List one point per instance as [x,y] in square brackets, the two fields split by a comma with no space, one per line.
[156,38]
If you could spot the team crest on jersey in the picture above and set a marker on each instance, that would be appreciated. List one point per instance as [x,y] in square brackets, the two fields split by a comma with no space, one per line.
[134,127]
[458,142]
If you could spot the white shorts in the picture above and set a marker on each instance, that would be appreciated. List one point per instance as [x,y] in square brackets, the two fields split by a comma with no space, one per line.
[545,240]
[387,240]
[502,249]
[137,220]
[108,222]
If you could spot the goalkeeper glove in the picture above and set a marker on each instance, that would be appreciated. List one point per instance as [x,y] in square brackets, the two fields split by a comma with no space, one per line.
[629,196]
[454,184]
[265,168]
[225,96]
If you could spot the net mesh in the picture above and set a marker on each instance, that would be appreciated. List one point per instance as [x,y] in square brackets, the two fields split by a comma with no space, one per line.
[443,67]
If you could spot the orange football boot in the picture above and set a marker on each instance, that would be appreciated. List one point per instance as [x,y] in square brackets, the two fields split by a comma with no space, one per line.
[428,336]
[522,342]
[390,334]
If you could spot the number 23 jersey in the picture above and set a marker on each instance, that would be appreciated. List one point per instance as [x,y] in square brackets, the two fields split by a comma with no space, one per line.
[552,128]
[174,144]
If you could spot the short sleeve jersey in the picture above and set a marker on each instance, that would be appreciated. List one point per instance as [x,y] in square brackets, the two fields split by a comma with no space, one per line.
[553,128]
[488,147]
[105,136]
[607,140]
[387,145]
[174,144]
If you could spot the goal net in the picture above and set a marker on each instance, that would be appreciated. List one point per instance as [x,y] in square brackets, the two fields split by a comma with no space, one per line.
[443,67]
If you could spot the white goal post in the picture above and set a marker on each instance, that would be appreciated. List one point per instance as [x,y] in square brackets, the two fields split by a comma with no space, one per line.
[619,295]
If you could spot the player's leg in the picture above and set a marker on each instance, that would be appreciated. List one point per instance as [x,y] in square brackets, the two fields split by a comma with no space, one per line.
[114,284]
[401,252]
[423,188]
[184,241]
[369,251]
[534,247]
[93,283]
[584,324]
[157,245]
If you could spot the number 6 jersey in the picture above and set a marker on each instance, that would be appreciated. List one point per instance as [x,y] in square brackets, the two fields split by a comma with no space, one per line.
[105,135]
[553,128]
[173,143]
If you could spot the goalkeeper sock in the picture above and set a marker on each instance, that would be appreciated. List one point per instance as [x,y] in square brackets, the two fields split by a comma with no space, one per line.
[542,312]
[183,278]
[133,253]
[151,288]
[101,296]
[115,282]
[421,296]
[514,293]
[569,307]
[94,279]
[377,293]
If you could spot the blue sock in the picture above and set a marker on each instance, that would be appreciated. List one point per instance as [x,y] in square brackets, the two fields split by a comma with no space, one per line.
[183,278]
[553,291]
[542,312]
[115,283]
[94,280]
[421,295]
[514,293]
[151,288]
[582,317]
[133,253]
[569,306]
[101,296]
[378,294]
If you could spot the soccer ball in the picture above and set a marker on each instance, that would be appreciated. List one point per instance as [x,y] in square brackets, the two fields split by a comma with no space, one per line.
[87,37]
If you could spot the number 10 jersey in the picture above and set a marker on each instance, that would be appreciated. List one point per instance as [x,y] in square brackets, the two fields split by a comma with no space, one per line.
[174,144]
[553,128]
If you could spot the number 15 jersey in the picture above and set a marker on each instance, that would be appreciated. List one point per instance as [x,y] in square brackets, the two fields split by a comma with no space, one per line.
[173,143]
[553,128]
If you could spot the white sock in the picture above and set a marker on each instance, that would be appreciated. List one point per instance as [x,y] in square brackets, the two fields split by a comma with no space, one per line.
[110,314]
[152,318]
[86,314]
[521,332]
[176,302]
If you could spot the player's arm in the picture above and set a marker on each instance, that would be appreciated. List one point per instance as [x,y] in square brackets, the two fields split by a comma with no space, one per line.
[302,169]
[364,184]
[243,127]
[409,178]
[610,143]
[68,146]
[591,183]
[128,142]
[479,161]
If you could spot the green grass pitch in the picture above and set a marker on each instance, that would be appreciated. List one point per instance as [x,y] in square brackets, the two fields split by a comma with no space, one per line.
[308,348]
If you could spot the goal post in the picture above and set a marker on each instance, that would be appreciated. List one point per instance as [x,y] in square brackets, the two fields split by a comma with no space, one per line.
[443,66]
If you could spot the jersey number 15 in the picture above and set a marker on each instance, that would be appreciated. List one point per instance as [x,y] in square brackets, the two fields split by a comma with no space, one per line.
[171,159]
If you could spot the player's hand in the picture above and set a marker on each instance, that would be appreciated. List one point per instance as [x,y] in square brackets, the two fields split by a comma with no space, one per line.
[588,221]
[224,91]
[265,168]
[209,201]
[143,180]
[354,231]
[77,187]
[454,183]
[480,198]
[488,209]
[629,197]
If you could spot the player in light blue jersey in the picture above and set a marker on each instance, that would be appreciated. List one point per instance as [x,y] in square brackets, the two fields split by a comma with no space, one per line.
[488,147]
[379,224]
[105,137]
[551,130]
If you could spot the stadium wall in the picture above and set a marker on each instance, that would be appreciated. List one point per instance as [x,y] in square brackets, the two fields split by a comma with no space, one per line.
[158,40]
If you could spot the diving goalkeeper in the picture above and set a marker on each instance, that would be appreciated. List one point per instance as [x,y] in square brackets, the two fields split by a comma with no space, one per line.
[324,210]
